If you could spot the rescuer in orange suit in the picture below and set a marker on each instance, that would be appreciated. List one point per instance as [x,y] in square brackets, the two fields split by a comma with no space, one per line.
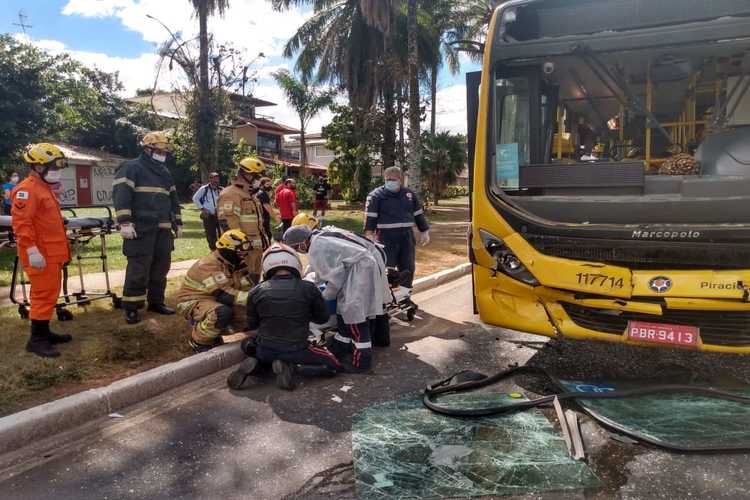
[42,241]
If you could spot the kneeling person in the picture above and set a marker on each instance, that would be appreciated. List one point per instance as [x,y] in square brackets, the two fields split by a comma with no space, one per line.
[281,308]
[214,292]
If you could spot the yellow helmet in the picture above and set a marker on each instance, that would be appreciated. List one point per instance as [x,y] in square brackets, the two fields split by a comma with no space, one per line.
[158,139]
[598,148]
[308,220]
[44,153]
[234,240]
[252,165]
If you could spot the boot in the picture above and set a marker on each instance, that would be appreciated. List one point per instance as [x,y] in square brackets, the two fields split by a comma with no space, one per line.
[199,348]
[161,309]
[39,342]
[132,316]
[59,338]
[285,378]
[238,378]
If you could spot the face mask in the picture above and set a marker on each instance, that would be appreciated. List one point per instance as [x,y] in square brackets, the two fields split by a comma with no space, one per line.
[53,176]
[159,157]
[15,179]
[392,186]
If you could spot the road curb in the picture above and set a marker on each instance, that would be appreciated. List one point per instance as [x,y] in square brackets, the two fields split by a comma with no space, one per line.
[25,427]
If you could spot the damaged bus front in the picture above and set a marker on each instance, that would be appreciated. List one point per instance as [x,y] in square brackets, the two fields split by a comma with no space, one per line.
[611,171]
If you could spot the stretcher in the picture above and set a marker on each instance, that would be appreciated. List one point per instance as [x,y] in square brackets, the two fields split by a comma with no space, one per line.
[81,231]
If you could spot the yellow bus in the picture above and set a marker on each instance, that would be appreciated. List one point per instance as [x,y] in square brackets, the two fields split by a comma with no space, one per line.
[610,180]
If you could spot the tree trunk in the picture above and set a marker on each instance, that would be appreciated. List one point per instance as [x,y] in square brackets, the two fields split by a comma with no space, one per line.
[204,128]
[400,102]
[389,133]
[433,98]
[302,146]
[414,142]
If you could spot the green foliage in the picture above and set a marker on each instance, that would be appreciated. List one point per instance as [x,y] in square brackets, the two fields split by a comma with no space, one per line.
[443,159]
[45,97]
[456,191]
[354,147]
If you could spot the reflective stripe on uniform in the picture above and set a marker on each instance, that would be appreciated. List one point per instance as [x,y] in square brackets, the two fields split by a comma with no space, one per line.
[150,189]
[418,212]
[237,210]
[209,282]
[242,298]
[371,214]
[194,284]
[123,211]
[363,345]
[172,189]
[124,180]
[396,225]
[248,218]
[135,298]
[340,338]
[165,225]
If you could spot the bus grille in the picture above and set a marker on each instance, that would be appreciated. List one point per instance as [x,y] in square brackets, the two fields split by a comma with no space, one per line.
[717,327]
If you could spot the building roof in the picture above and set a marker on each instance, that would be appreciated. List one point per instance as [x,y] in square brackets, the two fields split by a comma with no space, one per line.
[265,123]
[82,155]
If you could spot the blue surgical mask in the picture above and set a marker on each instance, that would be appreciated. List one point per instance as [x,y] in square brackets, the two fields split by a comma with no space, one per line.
[392,186]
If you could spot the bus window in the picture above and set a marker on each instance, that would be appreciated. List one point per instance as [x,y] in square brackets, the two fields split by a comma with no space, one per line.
[513,128]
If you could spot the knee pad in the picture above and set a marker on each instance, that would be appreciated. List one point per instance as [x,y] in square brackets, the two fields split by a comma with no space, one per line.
[224,316]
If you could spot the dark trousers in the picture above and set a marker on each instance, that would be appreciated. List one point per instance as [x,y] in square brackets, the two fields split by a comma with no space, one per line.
[149,259]
[212,229]
[309,356]
[285,224]
[400,252]
[5,209]
[353,342]
[380,328]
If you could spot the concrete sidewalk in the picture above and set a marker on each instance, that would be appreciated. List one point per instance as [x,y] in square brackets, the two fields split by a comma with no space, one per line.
[96,281]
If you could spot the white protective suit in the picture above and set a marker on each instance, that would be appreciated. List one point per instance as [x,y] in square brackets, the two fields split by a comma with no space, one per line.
[354,269]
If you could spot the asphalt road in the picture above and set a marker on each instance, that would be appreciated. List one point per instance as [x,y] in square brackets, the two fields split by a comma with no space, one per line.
[205,441]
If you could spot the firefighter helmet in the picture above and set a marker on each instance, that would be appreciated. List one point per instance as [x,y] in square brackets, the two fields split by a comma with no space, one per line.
[233,240]
[280,256]
[252,165]
[44,153]
[308,220]
[158,139]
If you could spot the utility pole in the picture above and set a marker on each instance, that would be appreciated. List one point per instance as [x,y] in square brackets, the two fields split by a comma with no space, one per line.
[22,18]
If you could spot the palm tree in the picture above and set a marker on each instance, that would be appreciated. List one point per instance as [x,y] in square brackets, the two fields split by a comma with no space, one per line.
[443,160]
[206,123]
[307,101]
[414,114]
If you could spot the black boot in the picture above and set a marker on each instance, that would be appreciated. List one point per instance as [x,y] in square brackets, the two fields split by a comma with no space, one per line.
[238,378]
[59,338]
[39,342]
[132,316]
[161,309]
[285,377]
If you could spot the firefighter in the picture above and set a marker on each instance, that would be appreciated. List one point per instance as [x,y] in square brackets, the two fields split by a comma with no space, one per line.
[214,291]
[42,242]
[281,309]
[391,212]
[238,208]
[148,212]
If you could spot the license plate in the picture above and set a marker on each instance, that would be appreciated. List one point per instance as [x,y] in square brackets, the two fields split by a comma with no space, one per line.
[661,333]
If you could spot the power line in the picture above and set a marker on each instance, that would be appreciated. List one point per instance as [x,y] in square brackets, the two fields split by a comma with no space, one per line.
[22,18]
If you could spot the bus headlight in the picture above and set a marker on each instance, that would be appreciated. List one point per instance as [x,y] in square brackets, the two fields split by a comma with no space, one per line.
[507,262]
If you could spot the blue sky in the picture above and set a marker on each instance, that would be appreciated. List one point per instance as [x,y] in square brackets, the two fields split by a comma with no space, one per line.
[115,35]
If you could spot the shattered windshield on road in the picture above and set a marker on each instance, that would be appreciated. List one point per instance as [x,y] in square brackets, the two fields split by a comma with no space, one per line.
[676,421]
[401,449]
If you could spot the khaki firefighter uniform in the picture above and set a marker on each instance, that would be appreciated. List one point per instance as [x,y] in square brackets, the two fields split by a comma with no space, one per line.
[237,208]
[213,298]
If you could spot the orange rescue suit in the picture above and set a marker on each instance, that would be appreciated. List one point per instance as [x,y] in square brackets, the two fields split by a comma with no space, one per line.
[37,222]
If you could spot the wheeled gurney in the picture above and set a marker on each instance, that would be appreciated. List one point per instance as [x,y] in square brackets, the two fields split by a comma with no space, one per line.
[80,231]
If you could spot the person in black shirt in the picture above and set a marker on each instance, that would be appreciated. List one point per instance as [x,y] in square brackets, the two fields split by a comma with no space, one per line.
[281,308]
[321,189]
[264,198]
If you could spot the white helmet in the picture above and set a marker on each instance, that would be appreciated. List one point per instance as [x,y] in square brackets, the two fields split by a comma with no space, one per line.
[280,256]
